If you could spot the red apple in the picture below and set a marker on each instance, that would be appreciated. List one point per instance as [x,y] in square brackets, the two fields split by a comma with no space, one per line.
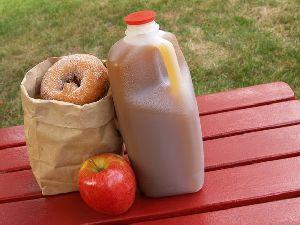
[107,183]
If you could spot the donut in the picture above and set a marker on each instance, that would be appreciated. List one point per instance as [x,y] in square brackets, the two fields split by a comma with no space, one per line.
[78,79]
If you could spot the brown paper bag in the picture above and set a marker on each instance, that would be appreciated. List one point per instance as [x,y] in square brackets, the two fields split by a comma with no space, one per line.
[60,136]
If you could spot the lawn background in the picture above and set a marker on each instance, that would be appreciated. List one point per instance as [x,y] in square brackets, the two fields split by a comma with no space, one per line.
[227,44]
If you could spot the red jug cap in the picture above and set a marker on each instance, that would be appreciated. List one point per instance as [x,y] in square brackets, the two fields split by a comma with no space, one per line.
[140,17]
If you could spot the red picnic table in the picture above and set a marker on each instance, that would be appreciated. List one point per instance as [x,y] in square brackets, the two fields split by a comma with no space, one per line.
[252,163]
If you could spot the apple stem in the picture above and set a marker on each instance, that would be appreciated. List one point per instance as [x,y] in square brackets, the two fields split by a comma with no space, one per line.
[97,168]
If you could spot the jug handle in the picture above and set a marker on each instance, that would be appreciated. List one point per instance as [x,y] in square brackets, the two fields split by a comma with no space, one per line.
[169,57]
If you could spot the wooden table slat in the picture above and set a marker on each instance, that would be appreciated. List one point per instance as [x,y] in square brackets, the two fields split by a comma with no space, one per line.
[252,147]
[250,119]
[283,212]
[12,186]
[13,159]
[12,137]
[245,185]
[215,125]
[244,97]
[219,153]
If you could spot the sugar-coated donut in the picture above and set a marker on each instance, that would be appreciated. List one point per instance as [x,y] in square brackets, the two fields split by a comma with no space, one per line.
[79,79]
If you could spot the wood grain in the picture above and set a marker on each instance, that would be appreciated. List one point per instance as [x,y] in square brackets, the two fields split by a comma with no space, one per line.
[252,147]
[251,119]
[12,137]
[14,159]
[14,184]
[283,212]
[244,98]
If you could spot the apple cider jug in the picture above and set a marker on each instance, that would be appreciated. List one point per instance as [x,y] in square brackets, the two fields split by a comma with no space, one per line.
[156,108]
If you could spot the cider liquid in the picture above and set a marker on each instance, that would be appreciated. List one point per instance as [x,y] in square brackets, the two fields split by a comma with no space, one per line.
[161,129]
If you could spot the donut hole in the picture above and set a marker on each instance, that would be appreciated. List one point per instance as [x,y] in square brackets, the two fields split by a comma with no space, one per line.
[72,78]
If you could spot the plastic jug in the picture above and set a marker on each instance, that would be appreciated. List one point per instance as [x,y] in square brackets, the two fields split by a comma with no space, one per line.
[156,108]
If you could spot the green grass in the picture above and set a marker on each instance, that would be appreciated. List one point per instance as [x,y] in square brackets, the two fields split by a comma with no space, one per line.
[227,44]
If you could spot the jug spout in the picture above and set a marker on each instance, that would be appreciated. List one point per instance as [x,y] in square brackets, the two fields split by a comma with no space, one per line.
[141,22]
